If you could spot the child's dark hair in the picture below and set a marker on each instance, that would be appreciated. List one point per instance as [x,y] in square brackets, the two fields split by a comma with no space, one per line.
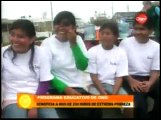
[28,27]
[149,24]
[65,15]
[112,25]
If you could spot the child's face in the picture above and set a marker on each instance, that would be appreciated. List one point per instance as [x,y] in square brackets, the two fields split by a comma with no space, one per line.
[141,33]
[107,38]
[20,42]
[62,30]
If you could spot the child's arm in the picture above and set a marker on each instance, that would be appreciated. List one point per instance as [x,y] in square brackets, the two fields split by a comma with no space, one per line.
[98,84]
[117,85]
[43,87]
[121,70]
[154,75]
[78,50]
[58,85]
[80,59]
[135,85]
[61,87]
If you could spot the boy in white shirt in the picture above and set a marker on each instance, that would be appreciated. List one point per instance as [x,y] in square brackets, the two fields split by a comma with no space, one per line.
[143,64]
[107,63]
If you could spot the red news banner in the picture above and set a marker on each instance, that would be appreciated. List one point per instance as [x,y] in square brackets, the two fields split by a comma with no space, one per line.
[74,101]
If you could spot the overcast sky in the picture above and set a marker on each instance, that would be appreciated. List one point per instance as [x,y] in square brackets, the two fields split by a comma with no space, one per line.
[81,9]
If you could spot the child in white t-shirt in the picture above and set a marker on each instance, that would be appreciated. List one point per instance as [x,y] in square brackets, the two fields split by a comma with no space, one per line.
[107,63]
[25,69]
[68,60]
[144,66]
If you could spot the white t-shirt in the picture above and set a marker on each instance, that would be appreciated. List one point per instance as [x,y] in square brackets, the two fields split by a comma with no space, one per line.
[16,75]
[62,61]
[142,58]
[108,64]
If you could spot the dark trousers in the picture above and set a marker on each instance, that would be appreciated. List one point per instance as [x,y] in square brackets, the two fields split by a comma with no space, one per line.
[140,99]
[78,112]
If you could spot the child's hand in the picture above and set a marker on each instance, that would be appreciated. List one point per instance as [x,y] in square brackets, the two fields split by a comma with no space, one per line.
[146,86]
[136,85]
[71,35]
[71,91]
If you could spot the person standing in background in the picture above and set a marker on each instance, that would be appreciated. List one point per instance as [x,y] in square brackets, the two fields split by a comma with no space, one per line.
[153,11]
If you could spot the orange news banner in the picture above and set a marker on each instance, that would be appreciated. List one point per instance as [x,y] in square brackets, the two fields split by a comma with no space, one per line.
[74,101]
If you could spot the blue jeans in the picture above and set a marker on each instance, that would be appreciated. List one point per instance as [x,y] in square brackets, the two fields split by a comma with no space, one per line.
[109,88]
[13,111]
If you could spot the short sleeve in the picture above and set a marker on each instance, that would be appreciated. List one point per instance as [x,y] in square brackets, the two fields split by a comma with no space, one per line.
[122,45]
[3,49]
[156,60]
[45,66]
[122,68]
[46,48]
[92,63]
